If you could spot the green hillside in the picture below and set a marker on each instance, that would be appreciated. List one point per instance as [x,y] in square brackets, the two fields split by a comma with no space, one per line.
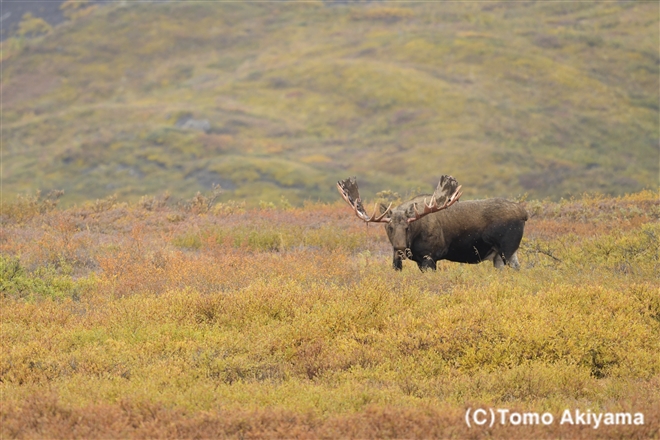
[284,99]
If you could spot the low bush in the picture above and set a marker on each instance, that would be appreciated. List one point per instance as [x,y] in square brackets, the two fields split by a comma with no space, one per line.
[291,323]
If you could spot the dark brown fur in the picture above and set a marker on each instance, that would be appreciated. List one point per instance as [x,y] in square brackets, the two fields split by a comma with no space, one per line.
[467,232]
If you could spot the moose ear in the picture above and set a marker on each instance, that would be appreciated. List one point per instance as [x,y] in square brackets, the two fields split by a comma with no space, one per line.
[410,211]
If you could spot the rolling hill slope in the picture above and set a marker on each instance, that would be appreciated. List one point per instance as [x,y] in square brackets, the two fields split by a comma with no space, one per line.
[281,100]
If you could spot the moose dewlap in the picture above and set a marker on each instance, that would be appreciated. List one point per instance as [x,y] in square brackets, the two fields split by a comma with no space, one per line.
[433,227]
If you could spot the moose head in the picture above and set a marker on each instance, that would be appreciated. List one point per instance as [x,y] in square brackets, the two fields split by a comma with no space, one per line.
[402,224]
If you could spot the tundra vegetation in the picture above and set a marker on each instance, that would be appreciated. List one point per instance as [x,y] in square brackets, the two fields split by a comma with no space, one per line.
[271,98]
[158,319]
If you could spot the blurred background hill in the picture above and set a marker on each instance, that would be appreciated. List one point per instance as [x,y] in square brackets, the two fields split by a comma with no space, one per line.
[274,100]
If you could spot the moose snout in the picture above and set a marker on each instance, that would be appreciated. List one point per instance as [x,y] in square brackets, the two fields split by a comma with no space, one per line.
[399,256]
[403,254]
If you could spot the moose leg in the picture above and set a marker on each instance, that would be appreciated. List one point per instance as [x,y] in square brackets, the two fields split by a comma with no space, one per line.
[498,262]
[427,263]
[513,261]
[509,247]
[508,257]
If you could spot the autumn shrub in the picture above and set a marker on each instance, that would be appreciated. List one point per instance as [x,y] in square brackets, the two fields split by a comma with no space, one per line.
[26,206]
[283,237]
[291,322]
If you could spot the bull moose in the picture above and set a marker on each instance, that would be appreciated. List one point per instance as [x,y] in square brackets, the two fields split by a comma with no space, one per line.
[467,232]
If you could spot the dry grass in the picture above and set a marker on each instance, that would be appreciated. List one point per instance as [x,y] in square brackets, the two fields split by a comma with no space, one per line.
[176,321]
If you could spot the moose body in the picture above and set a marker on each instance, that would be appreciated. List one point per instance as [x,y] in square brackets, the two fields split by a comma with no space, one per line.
[466,232]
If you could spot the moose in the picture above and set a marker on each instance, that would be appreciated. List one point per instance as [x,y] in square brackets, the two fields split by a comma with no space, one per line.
[433,227]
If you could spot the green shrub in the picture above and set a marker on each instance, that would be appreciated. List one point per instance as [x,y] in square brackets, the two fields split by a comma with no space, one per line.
[44,282]
[188,241]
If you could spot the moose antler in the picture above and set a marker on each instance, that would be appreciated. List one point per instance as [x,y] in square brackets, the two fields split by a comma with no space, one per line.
[448,190]
[348,189]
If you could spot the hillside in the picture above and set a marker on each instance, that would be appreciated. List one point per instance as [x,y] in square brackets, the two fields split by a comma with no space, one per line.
[276,101]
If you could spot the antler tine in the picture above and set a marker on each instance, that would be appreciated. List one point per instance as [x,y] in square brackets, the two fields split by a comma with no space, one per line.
[433,206]
[454,197]
[354,204]
[380,217]
[343,194]
[427,209]
[348,190]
